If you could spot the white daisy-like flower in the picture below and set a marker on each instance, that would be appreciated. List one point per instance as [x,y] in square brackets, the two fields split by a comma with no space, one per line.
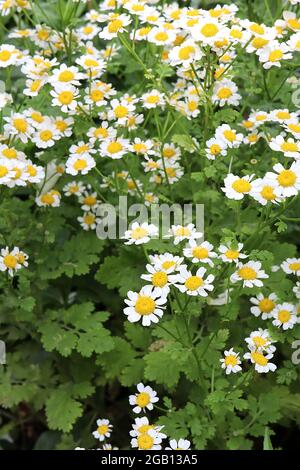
[261,361]
[229,136]
[120,110]
[293,127]
[79,164]
[161,37]
[139,234]
[184,232]
[109,447]
[231,254]
[46,134]
[181,444]
[215,147]
[226,92]
[263,305]
[114,148]
[283,116]
[273,54]
[250,274]
[49,199]
[147,305]
[65,75]
[143,399]
[82,149]
[18,124]
[152,99]
[291,266]
[289,147]
[285,316]
[104,429]
[201,253]
[187,52]
[150,440]
[75,188]
[88,221]
[261,341]
[193,284]
[65,97]
[166,262]
[101,133]
[287,180]
[142,426]
[231,362]
[158,278]
[236,187]
[117,24]
[265,192]
[208,31]
[12,260]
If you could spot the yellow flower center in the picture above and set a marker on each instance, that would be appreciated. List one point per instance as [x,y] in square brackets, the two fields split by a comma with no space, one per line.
[266,305]
[101,132]
[80,164]
[102,429]
[143,399]
[259,358]
[249,274]
[3,171]
[152,99]
[96,95]
[193,283]
[231,360]
[258,43]
[114,26]
[5,55]
[294,266]
[31,170]
[82,148]
[186,52]
[284,316]
[114,147]
[230,135]
[161,36]
[224,93]
[47,199]
[287,178]
[200,252]
[268,193]
[145,305]
[209,30]
[91,63]
[140,148]
[294,127]
[66,76]
[65,97]
[259,341]
[293,23]
[257,28]
[236,33]
[241,186]
[289,147]
[182,232]
[89,219]
[159,279]
[20,124]
[9,153]
[121,111]
[90,200]
[10,261]
[215,149]
[168,264]
[232,254]
[46,135]
[145,442]
[275,55]
[145,428]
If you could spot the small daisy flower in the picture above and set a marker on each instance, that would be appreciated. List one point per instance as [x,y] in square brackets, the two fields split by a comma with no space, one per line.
[225,93]
[231,362]
[142,426]
[263,305]
[181,444]
[116,25]
[236,187]
[114,148]
[260,341]
[152,99]
[161,36]
[104,429]
[19,126]
[101,133]
[143,399]
[74,188]
[208,31]
[214,148]
[48,199]
[158,278]
[120,110]
[12,261]
[293,127]
[261,361]
[79,164]
[139,234]
[65,97]
[147,305]
[109,447]
[81,149]
[273,54]
[229,136]
[89,201]
[193,284]
[250,274]
[46,134]
[291,266]
[289,147]
[286,180]
[184,232]
[200,253]
[8,55]
[166,262]
[266,192]
[88,221]
[150,440]
[185,54]
[285,316]
[65,75]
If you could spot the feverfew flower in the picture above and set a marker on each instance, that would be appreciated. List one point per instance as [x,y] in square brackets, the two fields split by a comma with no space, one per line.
[152,99]
[231,254]
[231,362]
[48,199]
[143,399]
[263,305]
[201,253]
[250,274]
[103,430]
[229,136]
[139,234]
[285,316]
[147,305]
[65,97]
[262,364]
[13,260]
[287,181]
[225,92]
[236,187]
[273,54]
[193,284]
[289,147]
[291,266]
[260,341]
[187,52]
[184,232]
[150,440]
[214,148]
[80,164]
[158,278]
